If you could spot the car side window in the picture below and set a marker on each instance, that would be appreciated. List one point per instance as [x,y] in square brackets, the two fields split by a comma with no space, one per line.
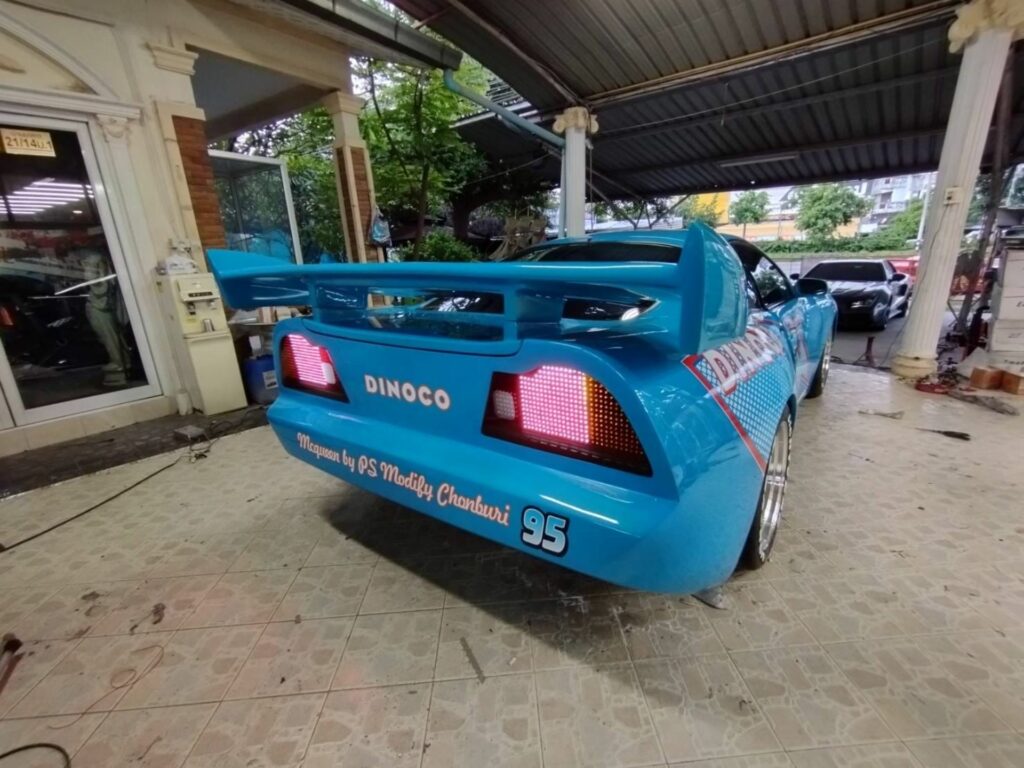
[753,297]
[771,283]
[768,280]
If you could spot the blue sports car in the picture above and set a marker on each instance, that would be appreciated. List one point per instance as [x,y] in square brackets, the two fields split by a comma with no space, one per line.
[621,405]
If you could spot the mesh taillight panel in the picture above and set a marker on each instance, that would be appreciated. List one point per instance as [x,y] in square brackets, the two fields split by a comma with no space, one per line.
[307,366]
[563,410]
[308,363]
[609,428]
[553,402]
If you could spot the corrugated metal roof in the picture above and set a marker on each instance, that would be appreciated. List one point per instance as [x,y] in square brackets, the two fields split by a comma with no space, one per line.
[698,95]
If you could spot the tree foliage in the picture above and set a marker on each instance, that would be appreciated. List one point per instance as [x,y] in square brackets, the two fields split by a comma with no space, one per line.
[900,229]
[749,207]
[694,209]
[533,204]
[1015,187]
[315,196]
[419,159]
[438,245]
[825,207]
[979,199]
[1012,193]
[305,141]
[638,212]
[851,245]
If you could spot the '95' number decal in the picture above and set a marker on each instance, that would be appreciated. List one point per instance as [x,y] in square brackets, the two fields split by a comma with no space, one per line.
[547,532]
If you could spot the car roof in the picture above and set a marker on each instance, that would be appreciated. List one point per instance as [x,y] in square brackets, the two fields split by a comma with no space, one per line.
[850,261]
[660,236]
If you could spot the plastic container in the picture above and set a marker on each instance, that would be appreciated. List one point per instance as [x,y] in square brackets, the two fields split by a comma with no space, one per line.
[260,379]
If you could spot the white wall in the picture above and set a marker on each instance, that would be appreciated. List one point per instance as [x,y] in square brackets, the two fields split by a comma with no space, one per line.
[119,65]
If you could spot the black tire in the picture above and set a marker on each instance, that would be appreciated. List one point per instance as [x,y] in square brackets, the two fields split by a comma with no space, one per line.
[824,366]
[768,516]
[904,307]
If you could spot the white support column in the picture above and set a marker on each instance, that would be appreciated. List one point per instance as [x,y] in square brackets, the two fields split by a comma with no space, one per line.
[575,123]
[987,26]
[561,198]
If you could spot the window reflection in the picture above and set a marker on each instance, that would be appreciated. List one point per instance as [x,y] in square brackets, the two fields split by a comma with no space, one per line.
[63,323]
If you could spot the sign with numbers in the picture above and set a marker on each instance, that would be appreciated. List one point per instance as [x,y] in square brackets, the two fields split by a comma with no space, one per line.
[545,531]
[18,141]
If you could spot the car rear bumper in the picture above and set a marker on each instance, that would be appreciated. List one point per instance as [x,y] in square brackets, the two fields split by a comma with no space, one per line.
[683,542]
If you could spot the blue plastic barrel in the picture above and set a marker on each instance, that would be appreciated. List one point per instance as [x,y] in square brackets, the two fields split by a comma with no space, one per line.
[260,379]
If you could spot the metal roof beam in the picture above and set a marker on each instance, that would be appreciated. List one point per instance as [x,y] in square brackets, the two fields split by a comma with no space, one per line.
[802,48]
[710,117]
[696,189]
[502,39]
[777,154]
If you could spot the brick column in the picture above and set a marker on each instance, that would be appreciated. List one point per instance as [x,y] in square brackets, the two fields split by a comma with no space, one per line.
[195,162]
[354,176]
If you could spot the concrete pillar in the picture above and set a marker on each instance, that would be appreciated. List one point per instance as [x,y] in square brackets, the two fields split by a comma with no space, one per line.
[561,198]
[575,123]
[987,28]
[354,176]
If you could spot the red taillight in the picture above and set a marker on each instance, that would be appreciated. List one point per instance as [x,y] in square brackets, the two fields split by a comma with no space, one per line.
[305,365]
[553,403]
[566,411]
[6,317]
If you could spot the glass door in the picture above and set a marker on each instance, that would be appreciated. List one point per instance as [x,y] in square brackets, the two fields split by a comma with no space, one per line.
[70,335]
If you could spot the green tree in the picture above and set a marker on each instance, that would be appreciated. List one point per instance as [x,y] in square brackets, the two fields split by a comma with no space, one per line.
[315,197]
[305,141]
[824,207]
[749,207]
[419,160]
[692,209]
[438,245]
[1015,187]
[638,211]
[1012,193]
[900,228]
[979,199]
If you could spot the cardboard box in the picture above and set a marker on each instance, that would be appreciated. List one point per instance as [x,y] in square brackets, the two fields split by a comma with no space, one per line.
[986,378]
[1013,383]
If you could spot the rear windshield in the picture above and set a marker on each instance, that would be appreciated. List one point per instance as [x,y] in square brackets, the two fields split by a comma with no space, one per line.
[600,251]
[860,271]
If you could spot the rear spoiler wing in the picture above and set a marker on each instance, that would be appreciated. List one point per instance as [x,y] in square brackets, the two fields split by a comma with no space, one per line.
[700,301]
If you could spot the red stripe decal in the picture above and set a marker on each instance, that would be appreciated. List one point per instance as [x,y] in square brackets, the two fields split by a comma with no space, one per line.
[691,364]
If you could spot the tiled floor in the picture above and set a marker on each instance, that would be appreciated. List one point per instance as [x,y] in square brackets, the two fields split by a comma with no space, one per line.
[246,610]
[33,469]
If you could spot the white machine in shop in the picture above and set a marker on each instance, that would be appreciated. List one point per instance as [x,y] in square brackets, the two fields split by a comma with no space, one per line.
[194,305]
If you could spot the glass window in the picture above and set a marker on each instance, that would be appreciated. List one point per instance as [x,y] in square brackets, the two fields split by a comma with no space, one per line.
[63,323]
[772,285]
[856,271]
[253,205]
[753,297]
[608,250]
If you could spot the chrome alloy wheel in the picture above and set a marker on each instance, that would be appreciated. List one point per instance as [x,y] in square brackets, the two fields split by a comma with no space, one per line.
[774,489]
